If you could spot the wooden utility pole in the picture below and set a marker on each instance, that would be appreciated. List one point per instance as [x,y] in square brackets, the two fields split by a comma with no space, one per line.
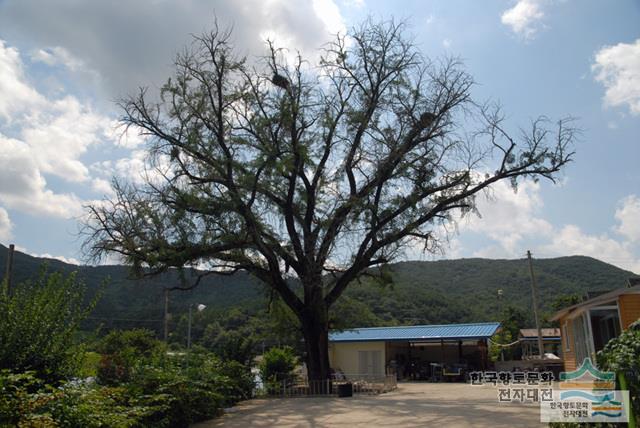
[534,296]
[166,314]
[9,269]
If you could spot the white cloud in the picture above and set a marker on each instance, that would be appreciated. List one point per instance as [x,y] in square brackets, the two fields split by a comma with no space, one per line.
[22,186]
[16,95]
[329,13]
[358,4]
[57,56]
[61,133]
[628,216]
[5,225]
[134,168]
[512,222]
[446,43]
[571,240]
[69,260]
[509,217]
[618,69]
[41,136]
[102,186]
[140,51]
[524,18]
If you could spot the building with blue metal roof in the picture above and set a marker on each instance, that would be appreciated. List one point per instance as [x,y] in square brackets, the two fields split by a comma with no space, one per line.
[418,332]
[429,352]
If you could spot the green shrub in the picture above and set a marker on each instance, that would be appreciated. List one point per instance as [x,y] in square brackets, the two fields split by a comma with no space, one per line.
[27,401]
[199,391]
[185,400]
[622,355]
[89,365]
[161,395]
[39,322]
[124,351]
[277,365]
[233,345]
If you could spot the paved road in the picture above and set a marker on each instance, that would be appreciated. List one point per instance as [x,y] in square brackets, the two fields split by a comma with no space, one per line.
[411,405]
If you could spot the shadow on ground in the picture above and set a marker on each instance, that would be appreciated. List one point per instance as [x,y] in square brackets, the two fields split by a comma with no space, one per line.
[412,405]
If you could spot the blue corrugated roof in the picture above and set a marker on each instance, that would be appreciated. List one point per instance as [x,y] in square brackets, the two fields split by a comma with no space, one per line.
[417,332]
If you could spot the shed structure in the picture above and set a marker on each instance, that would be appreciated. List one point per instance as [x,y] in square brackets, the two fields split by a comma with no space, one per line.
[418,352]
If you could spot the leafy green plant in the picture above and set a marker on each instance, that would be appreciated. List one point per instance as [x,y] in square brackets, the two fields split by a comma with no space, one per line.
[39,322]
[277,365]
[123,351]
[156,397]
[27,401]
[195,393]
[622,355]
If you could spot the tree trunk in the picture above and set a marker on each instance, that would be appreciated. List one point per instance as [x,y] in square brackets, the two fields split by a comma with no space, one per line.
[315,328]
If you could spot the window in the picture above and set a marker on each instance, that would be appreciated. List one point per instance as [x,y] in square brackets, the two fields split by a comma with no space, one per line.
[565,336]
[370,363]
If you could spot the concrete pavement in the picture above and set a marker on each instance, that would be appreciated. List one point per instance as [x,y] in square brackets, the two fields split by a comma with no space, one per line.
[411,405]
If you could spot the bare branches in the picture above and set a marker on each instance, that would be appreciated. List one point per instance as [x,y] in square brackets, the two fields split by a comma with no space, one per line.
[332,169]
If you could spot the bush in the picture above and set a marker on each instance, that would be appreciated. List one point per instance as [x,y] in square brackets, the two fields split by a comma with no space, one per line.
[197,393]
[622,355]
[124,351]
[277,365]
[156,396]
[180,399]
[233,345]
[26,400]
[39,322]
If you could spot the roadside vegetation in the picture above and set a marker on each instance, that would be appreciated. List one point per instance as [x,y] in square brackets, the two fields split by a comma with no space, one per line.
[50,377]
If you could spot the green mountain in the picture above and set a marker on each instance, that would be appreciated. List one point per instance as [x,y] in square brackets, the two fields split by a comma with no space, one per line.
[445,291]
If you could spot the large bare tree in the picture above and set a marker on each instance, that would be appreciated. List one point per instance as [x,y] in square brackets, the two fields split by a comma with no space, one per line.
[317,172]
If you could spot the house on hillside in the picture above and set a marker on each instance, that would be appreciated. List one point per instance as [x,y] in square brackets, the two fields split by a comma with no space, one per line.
[528,338]
[421,352]
[586,327]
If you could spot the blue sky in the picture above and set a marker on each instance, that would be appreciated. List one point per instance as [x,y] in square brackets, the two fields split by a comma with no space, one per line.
[63,63]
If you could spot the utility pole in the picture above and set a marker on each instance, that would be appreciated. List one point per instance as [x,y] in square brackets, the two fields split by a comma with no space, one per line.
[534,295]
[189,329]
[9,269]
[166,315]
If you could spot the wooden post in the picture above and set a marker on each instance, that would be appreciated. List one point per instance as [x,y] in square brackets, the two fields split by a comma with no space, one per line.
[483,347]
[409,364]
[534,296]
[166,314]
[9,269]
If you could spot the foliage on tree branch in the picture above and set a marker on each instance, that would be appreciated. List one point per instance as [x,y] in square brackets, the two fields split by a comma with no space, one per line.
[316,171]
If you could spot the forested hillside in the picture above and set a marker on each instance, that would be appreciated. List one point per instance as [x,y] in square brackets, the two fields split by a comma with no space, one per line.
[444,291]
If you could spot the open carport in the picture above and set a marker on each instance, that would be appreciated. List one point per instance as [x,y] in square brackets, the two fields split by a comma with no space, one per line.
[411,405]
[419,352]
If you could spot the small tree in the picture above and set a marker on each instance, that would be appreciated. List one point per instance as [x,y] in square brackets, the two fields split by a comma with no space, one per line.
[123,351]
[39,322]
[319,173]
[277,365]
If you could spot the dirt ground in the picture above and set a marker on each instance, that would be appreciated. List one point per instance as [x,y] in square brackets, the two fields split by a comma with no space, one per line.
[411,405]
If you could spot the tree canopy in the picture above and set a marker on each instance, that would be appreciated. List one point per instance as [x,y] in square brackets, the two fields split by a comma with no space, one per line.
[313,171]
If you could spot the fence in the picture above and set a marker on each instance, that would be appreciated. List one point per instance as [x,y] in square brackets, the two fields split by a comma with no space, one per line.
[361,385]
